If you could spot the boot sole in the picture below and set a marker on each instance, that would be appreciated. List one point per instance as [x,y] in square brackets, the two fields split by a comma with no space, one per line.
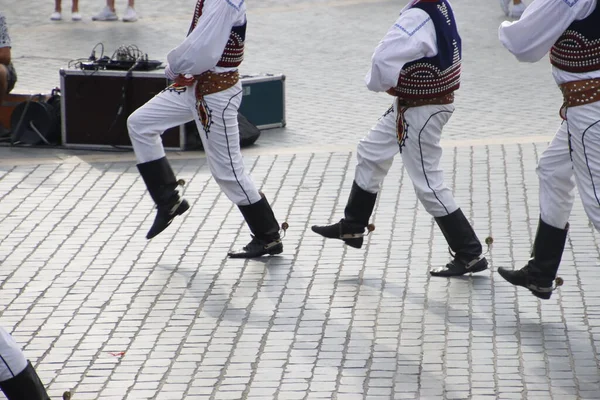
[479,266]
[482,265]
[181,209]
[356,242]
[277,249]
[271,251]
[541,295]
[315,229]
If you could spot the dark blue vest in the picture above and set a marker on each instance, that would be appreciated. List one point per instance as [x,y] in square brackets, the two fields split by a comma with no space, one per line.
[436,76]
[578,48]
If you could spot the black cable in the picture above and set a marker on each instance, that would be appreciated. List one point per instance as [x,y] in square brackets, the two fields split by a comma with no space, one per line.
[128,77]
[93,56]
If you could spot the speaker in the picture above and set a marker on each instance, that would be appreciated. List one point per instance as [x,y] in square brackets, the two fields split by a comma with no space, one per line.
[91,107]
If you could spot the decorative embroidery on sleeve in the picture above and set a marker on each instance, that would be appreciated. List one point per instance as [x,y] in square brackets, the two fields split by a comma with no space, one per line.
[237,4]
[410,33]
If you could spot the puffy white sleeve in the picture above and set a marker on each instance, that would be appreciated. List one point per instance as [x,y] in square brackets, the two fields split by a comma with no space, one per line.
[540,26]
[14,361]
[202,48]
[412,37]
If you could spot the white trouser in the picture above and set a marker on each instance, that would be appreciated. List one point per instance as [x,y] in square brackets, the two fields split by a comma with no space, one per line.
[420,150]
[12,360]
[573,157]
[216,119]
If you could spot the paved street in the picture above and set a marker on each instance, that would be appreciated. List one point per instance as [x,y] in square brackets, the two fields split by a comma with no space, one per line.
[103,312]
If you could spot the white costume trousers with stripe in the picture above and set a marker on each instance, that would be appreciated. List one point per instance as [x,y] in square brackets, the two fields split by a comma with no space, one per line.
[12,360]
[218,129]
[421,153]
[572,158]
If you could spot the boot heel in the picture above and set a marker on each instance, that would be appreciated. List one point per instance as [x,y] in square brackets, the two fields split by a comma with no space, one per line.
[164,218]
[356,243]
[183,207]
[542,295]
[277,249]
[480,265]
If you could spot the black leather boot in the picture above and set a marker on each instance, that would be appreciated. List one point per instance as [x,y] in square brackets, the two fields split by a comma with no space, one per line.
[161,183]
[25,386]
[351,228]
[540,272]
[463,242]
[265,231]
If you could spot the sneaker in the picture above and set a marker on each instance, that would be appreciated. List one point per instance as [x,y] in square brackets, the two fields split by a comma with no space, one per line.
[55,16]
[76,16]
[504,6]
[517,10]
[130,15]
[105,15]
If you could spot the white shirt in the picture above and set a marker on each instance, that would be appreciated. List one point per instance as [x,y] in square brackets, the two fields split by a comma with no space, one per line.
[411,38]
[202,48]
[543,22]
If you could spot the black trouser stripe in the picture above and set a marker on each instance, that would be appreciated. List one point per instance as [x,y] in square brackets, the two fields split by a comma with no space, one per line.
[7,366]
[228,148]
[587,163]
[423,163]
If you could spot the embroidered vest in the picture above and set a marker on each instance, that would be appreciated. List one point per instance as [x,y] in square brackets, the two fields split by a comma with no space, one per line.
[578,48]
[436,76]
[233,54]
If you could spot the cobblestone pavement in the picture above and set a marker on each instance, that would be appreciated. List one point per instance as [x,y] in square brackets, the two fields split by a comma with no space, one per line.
[105,313]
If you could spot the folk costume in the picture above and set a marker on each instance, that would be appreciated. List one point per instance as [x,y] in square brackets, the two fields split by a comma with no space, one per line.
[418,61]
[207,90]
[568,30]
[18,378]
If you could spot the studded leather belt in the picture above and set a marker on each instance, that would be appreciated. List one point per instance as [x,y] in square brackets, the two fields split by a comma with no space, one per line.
[211,82]
[579,93]
[404,102]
